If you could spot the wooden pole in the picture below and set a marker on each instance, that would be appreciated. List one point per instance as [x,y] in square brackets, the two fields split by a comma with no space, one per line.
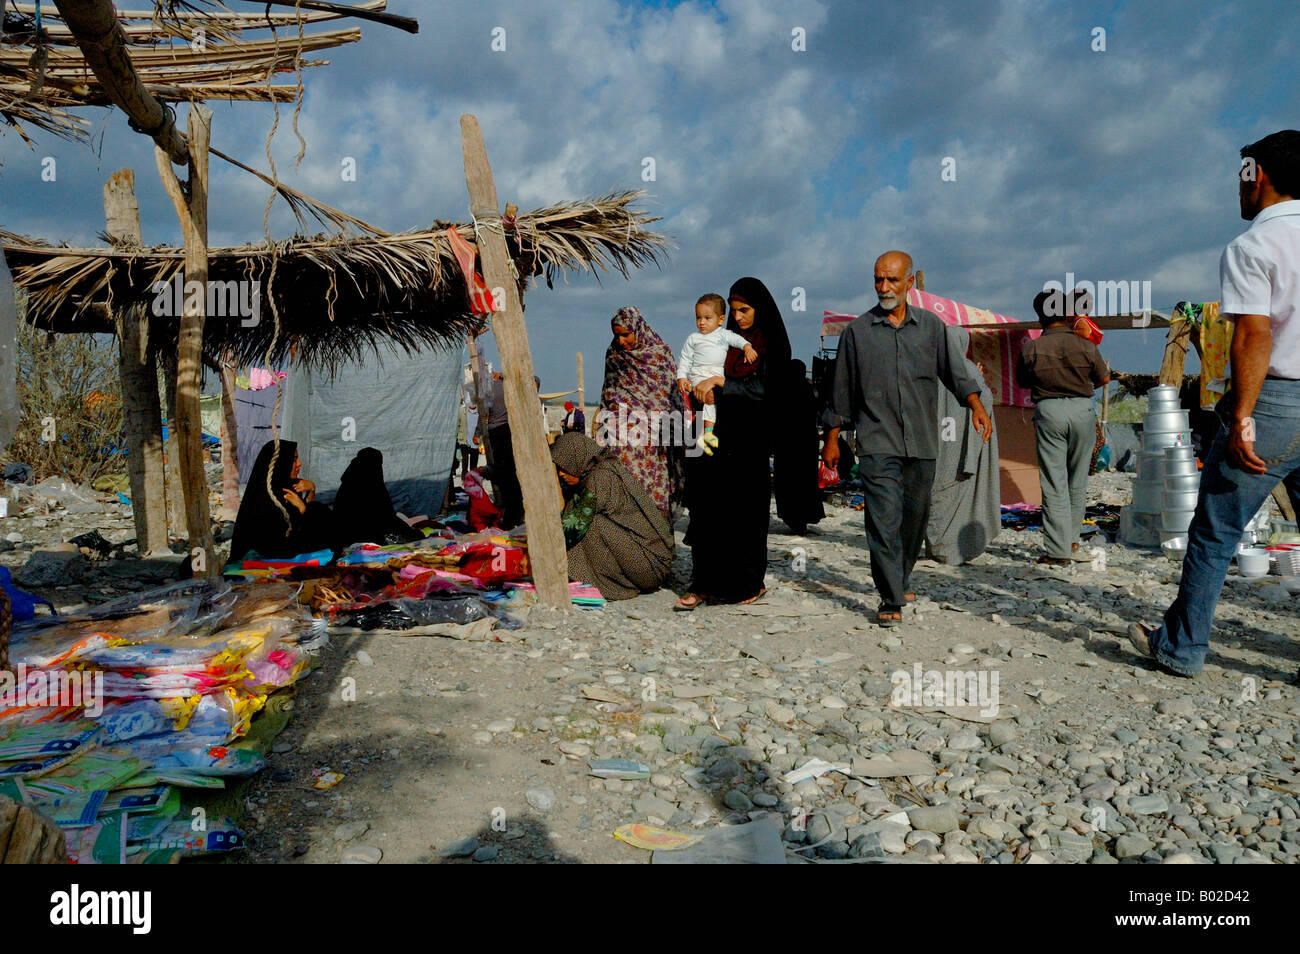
[192,210]
[102,42]
[1105,399]
[582,395]
[345,10]
[920,280]
[229,439]
[138,371]
[1171,367]
[172,446]
[537,478]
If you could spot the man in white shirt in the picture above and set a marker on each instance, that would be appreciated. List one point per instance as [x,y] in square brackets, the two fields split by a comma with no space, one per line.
[1260,442]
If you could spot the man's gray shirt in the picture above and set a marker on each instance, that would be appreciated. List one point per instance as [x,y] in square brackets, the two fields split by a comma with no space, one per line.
[887,383]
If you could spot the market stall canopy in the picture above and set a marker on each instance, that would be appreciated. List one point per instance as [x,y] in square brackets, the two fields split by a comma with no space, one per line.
[337,296]
[955,313]
[996,339]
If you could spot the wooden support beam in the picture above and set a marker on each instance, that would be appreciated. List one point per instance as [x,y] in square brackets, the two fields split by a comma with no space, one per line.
[172,446]
[28,836]
[192,209]
[343,9]
[229,439]
[1283,501]
[920,280]
[98,34]
[536,470]
[1171,367]
[138,371]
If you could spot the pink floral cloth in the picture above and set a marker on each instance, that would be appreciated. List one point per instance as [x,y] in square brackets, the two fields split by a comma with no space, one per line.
[643,379]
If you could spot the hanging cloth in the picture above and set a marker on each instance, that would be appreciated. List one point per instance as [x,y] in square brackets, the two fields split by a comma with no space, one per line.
[1216,348]
[480,299]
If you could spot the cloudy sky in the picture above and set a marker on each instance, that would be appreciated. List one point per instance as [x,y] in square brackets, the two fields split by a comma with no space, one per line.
[796,165]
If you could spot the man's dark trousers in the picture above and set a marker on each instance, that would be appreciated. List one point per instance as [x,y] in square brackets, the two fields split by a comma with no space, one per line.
[504,477]
[897,499]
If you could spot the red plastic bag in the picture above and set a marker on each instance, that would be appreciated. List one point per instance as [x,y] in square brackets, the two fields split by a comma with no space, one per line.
[1085,327]
[827,476]
[483,513]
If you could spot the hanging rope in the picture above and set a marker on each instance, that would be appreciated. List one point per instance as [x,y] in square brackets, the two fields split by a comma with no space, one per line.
[275,251]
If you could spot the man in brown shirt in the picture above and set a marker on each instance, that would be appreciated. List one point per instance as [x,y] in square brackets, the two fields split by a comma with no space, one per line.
[1061,371]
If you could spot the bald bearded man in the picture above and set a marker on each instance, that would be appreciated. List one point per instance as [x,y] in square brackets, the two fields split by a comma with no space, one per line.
[889,365]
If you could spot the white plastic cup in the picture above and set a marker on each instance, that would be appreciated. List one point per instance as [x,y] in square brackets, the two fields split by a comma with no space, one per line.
[4,506]
[1253,562]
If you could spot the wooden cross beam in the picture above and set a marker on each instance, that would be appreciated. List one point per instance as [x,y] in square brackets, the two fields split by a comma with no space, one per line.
[99,35]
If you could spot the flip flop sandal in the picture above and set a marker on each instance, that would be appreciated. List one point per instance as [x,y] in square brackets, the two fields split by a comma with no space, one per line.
[888,619]
[755,598]
[681,606]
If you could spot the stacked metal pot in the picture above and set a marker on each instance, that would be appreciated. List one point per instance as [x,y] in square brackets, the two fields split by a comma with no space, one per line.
[1181,486]
[1167,479]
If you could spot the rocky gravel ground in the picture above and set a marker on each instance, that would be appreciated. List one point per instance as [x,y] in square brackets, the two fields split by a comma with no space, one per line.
[464,751]
[1073,751]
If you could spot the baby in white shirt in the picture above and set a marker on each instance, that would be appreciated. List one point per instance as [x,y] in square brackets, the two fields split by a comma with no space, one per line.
[704,354]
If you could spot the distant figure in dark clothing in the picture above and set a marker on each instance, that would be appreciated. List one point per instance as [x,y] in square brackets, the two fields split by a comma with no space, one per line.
[288,520]
[575,422]
[363,510]
[504,477]
[794,453]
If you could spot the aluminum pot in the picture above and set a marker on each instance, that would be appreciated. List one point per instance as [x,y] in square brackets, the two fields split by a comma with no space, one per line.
[1179,452]
[1175,548]
[1150,466]
[1147,497]
[1182,483]
[1162,394]
[1176,468]
[1180,499]
[1165,421]
[1175,521]
[1159,440]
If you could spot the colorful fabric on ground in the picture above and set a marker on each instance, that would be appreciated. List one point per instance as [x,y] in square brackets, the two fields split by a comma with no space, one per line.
[181,688]
[581,594]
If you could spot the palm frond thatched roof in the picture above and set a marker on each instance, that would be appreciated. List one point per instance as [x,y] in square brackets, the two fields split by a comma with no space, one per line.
[43,73]
[337,295]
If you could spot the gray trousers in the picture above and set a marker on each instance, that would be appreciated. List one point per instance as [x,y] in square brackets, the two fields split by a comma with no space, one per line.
[897,507]
[1066,431]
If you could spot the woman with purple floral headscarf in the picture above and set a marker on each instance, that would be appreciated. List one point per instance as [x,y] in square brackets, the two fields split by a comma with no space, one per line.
[640,384]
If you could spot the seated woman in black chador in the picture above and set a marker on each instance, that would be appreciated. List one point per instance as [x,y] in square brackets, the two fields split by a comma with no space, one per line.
[285,520]
[363,511]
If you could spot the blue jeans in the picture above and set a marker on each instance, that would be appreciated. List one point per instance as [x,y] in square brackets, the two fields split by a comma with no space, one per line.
[1227,500]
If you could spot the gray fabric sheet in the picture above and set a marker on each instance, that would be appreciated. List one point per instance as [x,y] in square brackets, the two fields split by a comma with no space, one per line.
[965,499]
[404,405]
[9,410]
